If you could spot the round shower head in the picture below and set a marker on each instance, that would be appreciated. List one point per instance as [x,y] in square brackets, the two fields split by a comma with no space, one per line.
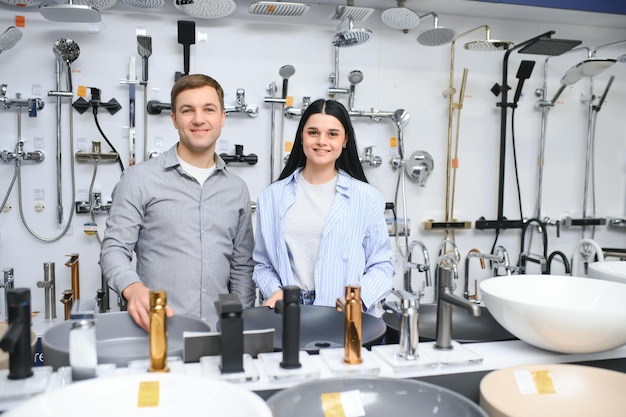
[400,18]
[436,36]
[352,37]
[488,45]
[206,9]
[587,68]
[286,71]
[73,13]
[355,77]
[401,117]
[145,4]
[66,50]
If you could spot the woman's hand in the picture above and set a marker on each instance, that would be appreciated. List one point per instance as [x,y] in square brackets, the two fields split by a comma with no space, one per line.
[271,301]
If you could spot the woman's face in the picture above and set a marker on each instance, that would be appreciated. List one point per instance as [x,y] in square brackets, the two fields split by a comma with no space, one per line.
[323,139]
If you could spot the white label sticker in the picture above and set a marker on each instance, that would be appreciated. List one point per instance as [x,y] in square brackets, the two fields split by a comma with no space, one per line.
[352,403]
[525,382]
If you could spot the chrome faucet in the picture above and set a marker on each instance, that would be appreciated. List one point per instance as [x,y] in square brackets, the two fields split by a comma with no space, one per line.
[584,250]
[525,256]
[48,284]
[371,159]
[7,284]
[445,273]
[455,256]
[409,265]
[498,259]
[502,262]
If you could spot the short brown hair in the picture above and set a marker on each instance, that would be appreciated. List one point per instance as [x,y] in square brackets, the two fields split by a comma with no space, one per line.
[191,81]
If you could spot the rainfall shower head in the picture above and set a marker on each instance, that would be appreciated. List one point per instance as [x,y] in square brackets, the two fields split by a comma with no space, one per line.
[400,17]
[278,8]
[70,12]
[358,14]
[98,4]
[350,36]
[9,38]
[145,4]
[206,9]
[545,45]
[436,35]
[587,68]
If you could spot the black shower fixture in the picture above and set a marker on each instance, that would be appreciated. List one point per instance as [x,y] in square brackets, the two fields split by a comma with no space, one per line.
[81,105]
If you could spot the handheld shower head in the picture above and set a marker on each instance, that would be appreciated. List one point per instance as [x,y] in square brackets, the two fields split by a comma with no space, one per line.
[70,12]
[350,36]
[436,35]
[401,117]
[66,51]
[9,38]
[400,17]
[355,77]
[285,72]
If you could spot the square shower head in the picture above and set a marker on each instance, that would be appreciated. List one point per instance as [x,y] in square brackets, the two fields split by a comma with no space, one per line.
[549,46]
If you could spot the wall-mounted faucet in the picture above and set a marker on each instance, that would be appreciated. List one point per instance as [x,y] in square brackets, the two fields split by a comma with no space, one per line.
[241,106]
[371,159]
[409,265]
[239,157]
[445,274]
[8,284]
[33,105]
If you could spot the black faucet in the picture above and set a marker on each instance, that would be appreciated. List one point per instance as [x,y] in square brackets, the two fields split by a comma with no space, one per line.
[16,341]
[289,307]
[231,339]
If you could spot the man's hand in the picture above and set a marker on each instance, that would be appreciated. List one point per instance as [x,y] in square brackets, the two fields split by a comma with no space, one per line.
[276,296]
[137,297]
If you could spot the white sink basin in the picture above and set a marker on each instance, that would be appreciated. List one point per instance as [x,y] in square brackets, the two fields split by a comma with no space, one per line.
[609,271]
[155,394]
[559,313]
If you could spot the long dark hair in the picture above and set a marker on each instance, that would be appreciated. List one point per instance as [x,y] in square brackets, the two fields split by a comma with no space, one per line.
[348,161]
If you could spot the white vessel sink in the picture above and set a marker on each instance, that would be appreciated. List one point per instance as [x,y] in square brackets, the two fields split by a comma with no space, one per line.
[559,313]
[164,395]
[608,270]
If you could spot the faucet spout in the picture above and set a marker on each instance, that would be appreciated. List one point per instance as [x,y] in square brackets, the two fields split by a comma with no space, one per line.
[409,265]
[73,264]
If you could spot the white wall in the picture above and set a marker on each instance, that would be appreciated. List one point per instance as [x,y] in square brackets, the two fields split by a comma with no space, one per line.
[245,51]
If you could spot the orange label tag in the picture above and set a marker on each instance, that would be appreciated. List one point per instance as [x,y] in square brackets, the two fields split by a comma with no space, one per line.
[543,382]
[20,21]
[289,101]
[81,91]
[148,395]
[455,163]
[288,146]
[393,141]
[331,405]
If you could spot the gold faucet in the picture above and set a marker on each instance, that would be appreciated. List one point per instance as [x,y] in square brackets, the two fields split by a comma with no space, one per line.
[67,300]
[158,332]
[73,263]
[351,305]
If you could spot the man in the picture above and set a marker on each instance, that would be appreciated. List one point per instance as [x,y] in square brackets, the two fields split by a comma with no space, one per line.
[185,215]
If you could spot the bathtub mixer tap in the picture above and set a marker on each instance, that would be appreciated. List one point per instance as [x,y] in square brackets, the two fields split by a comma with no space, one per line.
[371,159]
[33,105]
[8,284]
[445,274]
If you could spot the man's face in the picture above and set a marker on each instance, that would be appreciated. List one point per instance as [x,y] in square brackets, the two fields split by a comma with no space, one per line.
[199,119]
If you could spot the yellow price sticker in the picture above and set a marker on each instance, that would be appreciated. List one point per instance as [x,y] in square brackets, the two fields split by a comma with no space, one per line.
[148,394]
[331,405]
[543,382]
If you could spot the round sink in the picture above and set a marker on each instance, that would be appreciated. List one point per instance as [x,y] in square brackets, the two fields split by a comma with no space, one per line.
[152,394]
[4,357]
[378,396]
[553,390]
[609,271]
[119,340]
[559,313]
[465,328]
[320,327]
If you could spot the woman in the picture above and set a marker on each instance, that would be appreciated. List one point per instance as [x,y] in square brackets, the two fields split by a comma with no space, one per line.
[321,226]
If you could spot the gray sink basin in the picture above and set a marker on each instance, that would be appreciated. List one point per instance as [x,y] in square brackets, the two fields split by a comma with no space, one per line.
[378,396]
[465,328]
[119,339]
[320,327]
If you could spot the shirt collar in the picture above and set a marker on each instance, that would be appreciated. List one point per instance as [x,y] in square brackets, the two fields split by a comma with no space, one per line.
[171,160]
